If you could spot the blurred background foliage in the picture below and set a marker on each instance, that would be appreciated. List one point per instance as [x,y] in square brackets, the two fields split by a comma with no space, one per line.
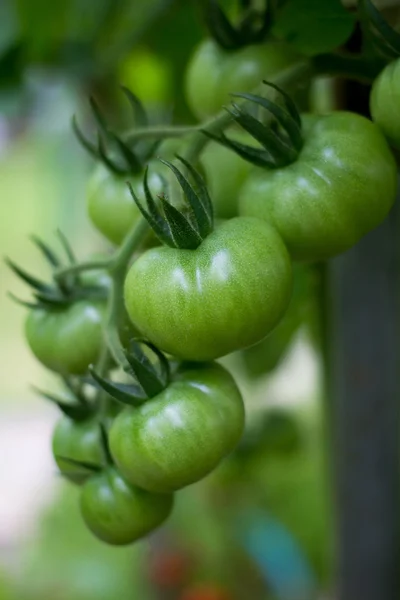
[53,56]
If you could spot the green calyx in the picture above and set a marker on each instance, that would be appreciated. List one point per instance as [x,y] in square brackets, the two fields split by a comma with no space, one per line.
[111,149]
[252,28]
[60,292]
[279,137]
[384,37]
[150,377]
[176,228]
[80,408]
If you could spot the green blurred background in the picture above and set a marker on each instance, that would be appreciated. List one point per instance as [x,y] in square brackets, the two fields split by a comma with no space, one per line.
[53,56]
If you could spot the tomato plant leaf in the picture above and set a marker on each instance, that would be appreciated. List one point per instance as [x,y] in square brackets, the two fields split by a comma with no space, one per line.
[314,26]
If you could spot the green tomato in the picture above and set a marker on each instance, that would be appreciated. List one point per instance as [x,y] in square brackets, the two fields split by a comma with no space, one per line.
[67,339]
[180,435]
[118,513]
[341,186]
[77,440]
[385,101]
[214,73]
[110,205]
[265,356]
[225,173]
[225,295]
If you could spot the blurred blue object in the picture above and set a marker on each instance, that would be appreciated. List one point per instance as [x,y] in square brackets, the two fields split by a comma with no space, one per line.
[278,556]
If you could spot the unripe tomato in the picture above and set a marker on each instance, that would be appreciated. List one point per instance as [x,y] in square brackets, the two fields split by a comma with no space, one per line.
[180,435]
[341,186]
[77,440]
[225,173]
[118,513]
[214,73]
[225,295]
[110,205]
[385,101]
[66,339]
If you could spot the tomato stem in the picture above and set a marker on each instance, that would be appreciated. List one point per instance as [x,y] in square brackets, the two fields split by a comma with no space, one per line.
[117,267]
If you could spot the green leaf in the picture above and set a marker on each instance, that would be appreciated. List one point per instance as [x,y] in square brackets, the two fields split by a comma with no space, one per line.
[314,26]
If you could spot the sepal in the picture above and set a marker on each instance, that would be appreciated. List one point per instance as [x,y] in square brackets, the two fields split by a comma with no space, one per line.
[110,148]
[179,228]
[279,141]
[251,29]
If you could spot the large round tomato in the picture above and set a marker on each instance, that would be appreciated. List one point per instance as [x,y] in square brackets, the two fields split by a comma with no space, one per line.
[76,440]
[110,204]
[385,101]
[118,513]
[225,295]
[66,339]
[180,435]
[213,73]
[225,173]
[341,186]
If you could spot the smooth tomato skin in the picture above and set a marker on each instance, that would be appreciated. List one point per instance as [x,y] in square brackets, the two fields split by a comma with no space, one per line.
[110,205]
[78,441]
[385,101]
[225,173]
[66,340]
[118,513]
[225,295]
[182,434]
[341,186]
[214,73]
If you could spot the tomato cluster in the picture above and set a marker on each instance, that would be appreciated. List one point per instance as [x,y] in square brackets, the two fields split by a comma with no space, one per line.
[143,327]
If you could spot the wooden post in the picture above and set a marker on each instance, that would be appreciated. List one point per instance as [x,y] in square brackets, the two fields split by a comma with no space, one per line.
[363,381]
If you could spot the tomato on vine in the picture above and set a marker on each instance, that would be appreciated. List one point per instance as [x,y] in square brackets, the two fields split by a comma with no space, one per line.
[119,513]
[208,291]
[110,206]
[64,326]
[324,182]
[384,102]
[66,339]
[214,73]
[178,426]
[109,202]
